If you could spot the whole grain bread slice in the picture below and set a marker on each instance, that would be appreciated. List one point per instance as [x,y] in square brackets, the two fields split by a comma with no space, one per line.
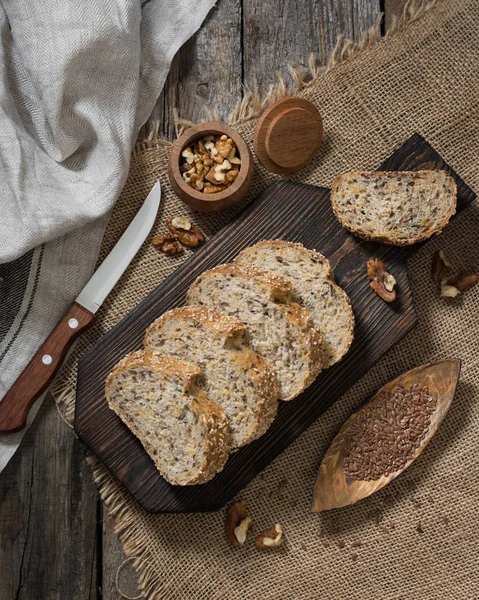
[280,330]
[157,397]
[398,208]
[234,376]
[314,289]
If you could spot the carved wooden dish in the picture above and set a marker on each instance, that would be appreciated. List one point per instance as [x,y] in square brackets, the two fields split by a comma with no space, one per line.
[218,201]
[333,487]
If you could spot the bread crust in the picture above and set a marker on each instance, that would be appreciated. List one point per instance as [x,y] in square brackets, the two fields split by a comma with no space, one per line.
[208,317]
[211,415]
[216,438]
[390,239]
[248,253]
[285,244]
[280,290]
[254,366]
[313,341]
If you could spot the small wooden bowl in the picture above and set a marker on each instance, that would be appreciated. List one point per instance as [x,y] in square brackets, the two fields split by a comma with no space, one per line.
[220,200]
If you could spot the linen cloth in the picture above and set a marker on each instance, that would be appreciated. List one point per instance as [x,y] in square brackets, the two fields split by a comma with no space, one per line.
[418,538]
[78,80]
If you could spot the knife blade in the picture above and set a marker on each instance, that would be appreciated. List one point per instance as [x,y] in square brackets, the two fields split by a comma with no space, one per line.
[40,371]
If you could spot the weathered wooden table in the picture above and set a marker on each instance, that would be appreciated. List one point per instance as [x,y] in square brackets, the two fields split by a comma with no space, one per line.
[56,541]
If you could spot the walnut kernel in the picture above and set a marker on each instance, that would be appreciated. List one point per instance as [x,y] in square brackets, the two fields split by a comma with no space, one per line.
[211,165]
[181,223]
[236,514]
[241,531]
[168,244]
[381,281]
[270,538]
[450,284]
[191,237]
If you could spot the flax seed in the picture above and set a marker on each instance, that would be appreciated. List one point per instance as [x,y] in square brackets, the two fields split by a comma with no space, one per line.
[387,432]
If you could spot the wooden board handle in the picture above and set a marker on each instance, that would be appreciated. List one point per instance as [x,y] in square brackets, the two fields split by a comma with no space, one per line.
[40,371]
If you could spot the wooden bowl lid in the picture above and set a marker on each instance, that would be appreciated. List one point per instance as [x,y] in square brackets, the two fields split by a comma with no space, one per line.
[288,135]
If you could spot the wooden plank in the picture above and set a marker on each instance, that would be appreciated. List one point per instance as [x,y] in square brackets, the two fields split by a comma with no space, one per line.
[112,558]
[393,9]
[281,212]
[48,516]
[207,70]
[280,35]
[364,15]
[277,35]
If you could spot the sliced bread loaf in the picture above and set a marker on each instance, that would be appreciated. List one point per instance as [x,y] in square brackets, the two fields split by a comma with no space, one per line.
[314,289]
[234,376]
[184,432]
[398,208]
[280,330]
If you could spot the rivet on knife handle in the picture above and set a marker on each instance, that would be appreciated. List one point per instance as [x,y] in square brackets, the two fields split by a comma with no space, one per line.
[40,371]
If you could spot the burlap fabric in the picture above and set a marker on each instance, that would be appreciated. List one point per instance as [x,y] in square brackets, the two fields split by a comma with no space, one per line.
[418,539]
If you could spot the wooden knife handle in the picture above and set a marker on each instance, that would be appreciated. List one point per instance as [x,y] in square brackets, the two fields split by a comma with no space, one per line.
[40,371]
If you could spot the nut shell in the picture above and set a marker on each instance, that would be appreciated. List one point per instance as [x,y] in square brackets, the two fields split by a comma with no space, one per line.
[191,237]
[236,514]
[381,281]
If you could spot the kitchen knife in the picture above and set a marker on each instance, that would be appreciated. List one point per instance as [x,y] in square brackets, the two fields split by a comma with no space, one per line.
[40,371]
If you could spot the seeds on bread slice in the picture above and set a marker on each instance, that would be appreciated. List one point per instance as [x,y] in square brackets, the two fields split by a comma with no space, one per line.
[184,432]
[398,208]
[314,289]
[234,376]
[280,330]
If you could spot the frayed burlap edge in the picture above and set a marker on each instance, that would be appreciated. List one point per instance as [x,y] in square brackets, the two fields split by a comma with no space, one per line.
[136,546]
[251,106]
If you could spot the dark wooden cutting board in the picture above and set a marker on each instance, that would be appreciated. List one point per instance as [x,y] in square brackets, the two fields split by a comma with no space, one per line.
[289,211]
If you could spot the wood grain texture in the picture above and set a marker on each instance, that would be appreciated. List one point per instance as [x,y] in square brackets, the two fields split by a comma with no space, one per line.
[293,119]
[220,200]
[207,71]
[39,373]
[333,488]
[113,557]
[281,212]
[278,35]
[48,516]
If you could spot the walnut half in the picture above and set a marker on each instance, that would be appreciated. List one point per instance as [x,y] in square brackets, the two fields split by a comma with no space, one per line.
[187,232]
[381,281]
[440,267]
[450,284]
[455,285]
[235,517]
[168,244]
[271,538]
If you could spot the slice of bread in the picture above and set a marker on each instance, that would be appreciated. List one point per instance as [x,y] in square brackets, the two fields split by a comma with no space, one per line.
[314,289]
[234,376]
[281,331]
[398,208]
[184,432]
